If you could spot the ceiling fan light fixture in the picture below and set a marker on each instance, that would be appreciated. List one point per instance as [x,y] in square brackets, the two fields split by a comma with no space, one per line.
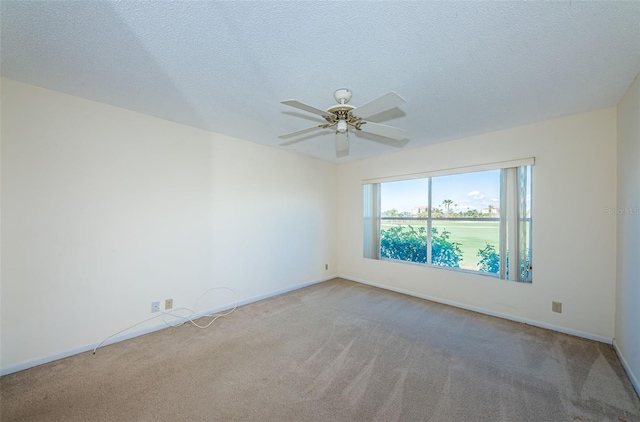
[342,126]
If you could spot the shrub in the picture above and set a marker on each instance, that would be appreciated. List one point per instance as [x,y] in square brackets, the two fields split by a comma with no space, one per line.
[489,259]
[490,263]
[410,244]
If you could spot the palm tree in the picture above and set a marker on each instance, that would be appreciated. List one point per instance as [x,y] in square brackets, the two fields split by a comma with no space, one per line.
[447,203]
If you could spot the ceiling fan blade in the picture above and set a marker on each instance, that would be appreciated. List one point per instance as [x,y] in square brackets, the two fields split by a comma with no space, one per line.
[396,143]
[295,141]
[380,104]
[342,144]
[300,132]
[384,130]
[310,109]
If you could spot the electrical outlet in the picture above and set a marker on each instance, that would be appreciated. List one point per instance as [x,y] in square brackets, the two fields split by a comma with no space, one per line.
[556,307]
[168,303]
[155,306]
[326,266]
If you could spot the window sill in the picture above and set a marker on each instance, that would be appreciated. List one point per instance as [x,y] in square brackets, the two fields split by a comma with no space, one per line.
[441,267]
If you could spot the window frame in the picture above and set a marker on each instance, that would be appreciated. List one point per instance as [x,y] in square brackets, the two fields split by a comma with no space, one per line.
[510,217]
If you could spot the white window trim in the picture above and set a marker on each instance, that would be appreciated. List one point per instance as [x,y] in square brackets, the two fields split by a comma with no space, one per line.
[456,170]
[509,214]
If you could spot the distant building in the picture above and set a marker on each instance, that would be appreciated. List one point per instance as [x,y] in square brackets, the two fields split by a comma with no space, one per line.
[422,209]
[492,211]
[419,209]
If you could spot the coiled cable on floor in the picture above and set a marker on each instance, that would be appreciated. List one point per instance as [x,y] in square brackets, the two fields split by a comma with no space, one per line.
[191,318]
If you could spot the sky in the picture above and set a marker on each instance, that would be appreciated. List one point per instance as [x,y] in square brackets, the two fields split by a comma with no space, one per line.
[475,190]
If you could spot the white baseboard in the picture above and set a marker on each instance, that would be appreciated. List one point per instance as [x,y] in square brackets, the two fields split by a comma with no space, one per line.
[486,311]
[627,368]
[135,333]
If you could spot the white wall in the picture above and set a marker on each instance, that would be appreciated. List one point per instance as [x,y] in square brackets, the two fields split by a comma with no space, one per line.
[627,335]
[106,210]
[574,240]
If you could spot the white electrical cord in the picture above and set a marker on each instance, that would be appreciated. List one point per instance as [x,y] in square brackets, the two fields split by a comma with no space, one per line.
[189,318]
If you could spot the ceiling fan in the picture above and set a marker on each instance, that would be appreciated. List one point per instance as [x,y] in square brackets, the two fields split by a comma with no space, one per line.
[343,117]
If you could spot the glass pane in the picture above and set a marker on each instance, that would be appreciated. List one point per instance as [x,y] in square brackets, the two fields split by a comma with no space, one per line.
[466,221]
[403,226]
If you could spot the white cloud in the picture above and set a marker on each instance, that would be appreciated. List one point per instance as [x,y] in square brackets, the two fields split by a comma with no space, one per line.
[475,194]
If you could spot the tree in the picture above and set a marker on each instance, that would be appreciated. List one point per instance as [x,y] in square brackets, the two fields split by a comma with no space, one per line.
[391,213]
[447,203]
[473,213]
[437,212]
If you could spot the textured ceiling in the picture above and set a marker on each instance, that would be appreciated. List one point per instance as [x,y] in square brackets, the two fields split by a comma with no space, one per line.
[464,68]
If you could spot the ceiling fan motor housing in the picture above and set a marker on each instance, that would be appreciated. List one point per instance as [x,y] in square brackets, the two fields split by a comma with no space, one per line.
[342,95]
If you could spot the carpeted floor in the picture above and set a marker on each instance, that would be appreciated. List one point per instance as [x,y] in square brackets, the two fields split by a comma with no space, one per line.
[335,351]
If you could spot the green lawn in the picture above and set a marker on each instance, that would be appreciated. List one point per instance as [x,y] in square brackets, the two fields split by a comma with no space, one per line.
[471,235]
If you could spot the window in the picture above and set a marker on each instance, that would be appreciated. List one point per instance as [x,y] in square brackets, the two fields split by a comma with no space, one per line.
[476,219]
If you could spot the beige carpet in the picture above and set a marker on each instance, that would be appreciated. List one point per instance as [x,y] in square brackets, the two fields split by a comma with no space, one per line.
[336,351]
